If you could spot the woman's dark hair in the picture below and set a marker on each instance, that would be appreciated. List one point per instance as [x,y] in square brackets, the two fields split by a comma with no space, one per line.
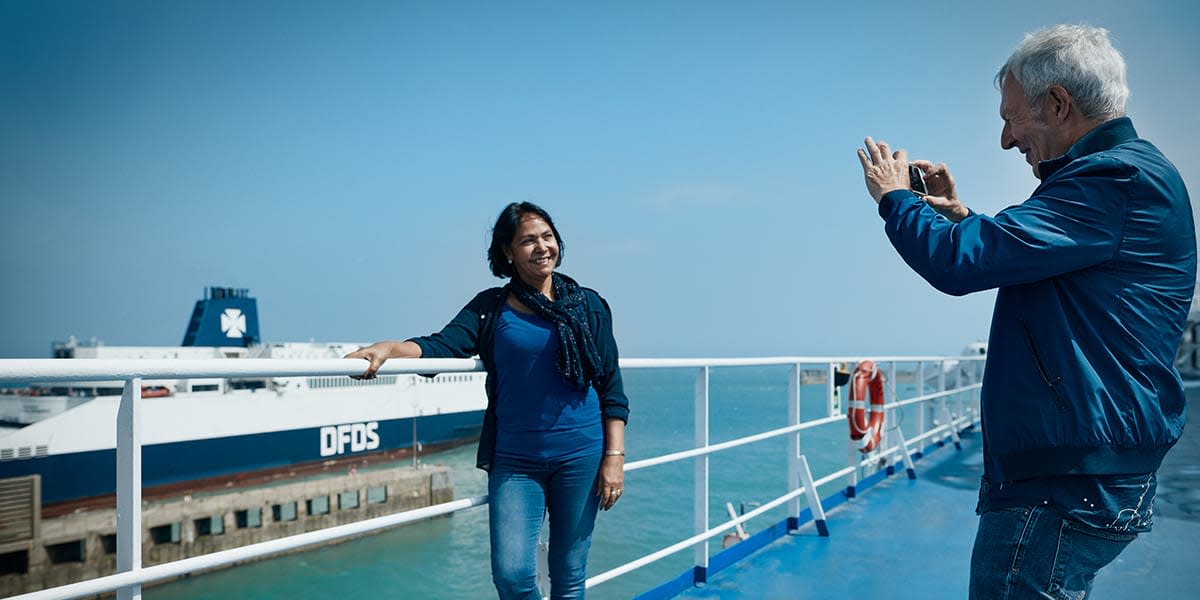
[506,228]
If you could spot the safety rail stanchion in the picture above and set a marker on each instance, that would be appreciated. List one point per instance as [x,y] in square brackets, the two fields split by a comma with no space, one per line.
[923,408]
[891,417]
[902,448]
[943,407]
[700,504]
[814,501]
[793,445]
[129,486]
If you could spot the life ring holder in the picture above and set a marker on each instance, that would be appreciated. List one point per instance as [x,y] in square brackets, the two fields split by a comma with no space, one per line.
[865,407]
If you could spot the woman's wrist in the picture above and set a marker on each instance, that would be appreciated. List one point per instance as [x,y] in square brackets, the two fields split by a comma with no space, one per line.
[614,452]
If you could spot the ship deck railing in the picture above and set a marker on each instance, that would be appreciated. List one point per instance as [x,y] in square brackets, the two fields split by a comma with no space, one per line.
[952,408]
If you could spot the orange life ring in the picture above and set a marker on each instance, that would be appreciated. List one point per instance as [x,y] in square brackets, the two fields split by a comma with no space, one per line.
[866,425]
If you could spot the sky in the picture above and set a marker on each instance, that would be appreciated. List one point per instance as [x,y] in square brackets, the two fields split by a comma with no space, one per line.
[346,161]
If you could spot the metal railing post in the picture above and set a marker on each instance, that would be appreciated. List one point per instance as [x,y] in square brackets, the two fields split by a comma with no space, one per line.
[700,506]
[129,486]
[923,408]
[793,451]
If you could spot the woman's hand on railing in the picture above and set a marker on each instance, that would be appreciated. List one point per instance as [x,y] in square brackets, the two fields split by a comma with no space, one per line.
[376,354]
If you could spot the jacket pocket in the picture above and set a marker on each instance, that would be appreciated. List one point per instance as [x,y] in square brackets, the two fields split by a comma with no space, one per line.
[1050,381]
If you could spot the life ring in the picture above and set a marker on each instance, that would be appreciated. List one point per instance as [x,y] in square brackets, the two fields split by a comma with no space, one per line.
[866,425]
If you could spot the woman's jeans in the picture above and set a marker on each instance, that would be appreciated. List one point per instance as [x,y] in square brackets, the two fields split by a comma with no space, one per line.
[1032,552]
[520,493]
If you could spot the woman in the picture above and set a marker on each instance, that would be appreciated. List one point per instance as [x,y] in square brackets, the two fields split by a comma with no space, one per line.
[553,436]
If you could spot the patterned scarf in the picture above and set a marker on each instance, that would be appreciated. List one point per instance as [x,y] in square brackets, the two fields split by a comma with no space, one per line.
[577,356]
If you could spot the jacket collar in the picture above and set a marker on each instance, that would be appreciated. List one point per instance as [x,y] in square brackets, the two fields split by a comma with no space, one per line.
[1105,136]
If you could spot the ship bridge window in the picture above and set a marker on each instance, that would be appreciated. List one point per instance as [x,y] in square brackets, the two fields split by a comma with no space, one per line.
[207,387]
[66,552]
[348,500]
[284,512]
[109,391]
[249,518]
[14,563]
[210,525]
[318,505]
[165,534]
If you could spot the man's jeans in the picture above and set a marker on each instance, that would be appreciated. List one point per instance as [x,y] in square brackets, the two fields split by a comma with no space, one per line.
[1032,552]
[520,493]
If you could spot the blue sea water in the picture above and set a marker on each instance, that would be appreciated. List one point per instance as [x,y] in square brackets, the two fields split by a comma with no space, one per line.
[448,557]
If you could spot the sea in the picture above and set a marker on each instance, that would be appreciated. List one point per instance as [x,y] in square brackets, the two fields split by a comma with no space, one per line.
[448,557]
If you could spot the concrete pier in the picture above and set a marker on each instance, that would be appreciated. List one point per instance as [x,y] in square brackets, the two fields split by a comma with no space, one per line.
[37,553]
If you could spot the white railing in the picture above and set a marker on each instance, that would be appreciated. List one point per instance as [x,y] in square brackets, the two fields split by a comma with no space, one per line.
[956,407]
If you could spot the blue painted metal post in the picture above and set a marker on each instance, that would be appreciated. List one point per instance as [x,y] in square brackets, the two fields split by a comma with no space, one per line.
[700,551]
[129,486]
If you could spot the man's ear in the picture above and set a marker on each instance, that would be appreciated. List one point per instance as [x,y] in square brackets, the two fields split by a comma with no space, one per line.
[1058,104]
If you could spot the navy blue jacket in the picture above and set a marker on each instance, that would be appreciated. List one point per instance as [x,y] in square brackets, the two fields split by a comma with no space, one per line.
[1096,273]
[472,332]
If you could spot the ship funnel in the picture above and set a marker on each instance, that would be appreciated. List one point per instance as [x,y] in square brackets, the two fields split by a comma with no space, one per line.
[225,317]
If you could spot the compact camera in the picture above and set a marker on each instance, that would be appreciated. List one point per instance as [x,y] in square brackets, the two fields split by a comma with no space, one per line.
[916,180]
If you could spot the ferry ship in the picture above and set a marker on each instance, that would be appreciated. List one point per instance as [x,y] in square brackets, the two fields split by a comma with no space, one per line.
[197,429]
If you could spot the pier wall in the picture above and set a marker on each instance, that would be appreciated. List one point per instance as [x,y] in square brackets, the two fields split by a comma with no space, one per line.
[82,545]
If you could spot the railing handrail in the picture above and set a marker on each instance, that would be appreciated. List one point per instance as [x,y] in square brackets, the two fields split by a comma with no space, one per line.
[42,370]
[131,370]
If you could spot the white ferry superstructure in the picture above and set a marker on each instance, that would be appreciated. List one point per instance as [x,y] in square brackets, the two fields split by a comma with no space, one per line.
[203,428]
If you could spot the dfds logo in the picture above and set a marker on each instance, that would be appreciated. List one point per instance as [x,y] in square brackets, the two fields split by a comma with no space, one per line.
[359,436]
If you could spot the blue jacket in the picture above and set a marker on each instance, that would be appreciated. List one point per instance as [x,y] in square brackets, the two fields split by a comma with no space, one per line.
[1096,272]
[472,332]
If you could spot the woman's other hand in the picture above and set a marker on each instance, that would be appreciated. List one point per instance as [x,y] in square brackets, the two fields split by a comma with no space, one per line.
[612,481]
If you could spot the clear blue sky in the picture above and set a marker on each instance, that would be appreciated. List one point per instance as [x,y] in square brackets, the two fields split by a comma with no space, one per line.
[345,160]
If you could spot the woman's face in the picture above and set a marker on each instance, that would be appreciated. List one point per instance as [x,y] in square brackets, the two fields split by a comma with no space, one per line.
[534,249]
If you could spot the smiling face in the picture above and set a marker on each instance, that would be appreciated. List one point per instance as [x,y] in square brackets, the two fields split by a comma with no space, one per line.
[534,250]
[1028,131]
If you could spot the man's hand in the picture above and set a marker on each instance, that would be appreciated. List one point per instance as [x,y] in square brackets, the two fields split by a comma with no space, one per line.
[883,170]
[942,196]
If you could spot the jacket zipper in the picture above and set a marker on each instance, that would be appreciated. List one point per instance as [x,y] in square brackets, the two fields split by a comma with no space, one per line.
[1051,382]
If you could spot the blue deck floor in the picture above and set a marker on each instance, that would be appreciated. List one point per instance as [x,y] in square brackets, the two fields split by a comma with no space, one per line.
[907,538]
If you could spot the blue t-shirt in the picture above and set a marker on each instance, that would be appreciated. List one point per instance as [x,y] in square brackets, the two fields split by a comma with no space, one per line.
[539,415]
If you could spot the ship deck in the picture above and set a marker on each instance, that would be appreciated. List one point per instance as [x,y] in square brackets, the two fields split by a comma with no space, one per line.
[907,538]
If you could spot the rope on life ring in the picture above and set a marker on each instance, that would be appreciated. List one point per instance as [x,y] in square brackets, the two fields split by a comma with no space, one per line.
[866,425]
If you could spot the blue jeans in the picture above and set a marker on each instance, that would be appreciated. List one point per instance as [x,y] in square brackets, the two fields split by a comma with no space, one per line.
[1032,552]
[520,494]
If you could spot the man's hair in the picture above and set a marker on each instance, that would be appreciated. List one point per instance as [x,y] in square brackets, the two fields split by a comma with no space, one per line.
[506,228]
[1079,58]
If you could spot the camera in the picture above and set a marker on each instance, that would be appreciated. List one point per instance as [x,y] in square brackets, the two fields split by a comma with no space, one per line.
[916,180]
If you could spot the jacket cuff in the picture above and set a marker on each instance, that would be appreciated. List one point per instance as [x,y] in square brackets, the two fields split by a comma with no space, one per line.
[888,203]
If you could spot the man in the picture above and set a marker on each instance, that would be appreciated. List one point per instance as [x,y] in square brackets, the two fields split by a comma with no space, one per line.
[1096,271]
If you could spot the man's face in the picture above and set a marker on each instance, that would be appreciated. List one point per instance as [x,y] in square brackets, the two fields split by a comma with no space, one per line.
[1025,129]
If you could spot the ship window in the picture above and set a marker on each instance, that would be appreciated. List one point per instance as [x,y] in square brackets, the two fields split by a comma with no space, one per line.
[377,494]
[14,563]
[247,384]
[248,518]
[284,512]
[66,552]
[348,500]
[208,387]
[318,506]
[210,525]
[165,534]
[108,541]
[109,391]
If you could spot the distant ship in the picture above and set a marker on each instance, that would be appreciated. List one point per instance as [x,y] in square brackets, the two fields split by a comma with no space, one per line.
[195,429]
